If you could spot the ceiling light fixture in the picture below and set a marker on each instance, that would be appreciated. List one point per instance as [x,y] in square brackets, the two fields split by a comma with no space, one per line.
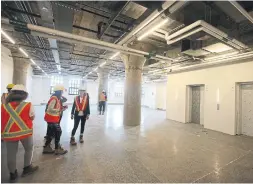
[153,29]
[116,54]
[33,61]
[102,64]
[8,37]
[95,69]
[23,51]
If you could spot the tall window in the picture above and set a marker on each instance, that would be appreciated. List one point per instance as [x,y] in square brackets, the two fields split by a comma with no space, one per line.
[74,85]
[55,80]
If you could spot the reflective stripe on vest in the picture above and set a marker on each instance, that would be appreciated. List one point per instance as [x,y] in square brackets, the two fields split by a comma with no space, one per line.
[84,101]
[16,134]
[57,106]
[14,117]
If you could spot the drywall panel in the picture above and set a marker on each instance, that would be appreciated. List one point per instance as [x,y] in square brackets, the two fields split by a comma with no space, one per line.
[219,84]
[161,95]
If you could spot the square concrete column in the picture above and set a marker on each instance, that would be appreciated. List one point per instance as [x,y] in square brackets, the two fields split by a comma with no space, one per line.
[20,70]
[133,81]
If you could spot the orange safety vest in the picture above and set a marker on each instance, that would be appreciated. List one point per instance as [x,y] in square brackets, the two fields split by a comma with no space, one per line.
[81,106]
[16,122]
[53,117]
[102,98]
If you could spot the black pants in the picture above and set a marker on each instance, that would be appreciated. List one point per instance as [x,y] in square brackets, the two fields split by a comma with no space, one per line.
[53,131]
[59,123]
[76,124]
[102,105]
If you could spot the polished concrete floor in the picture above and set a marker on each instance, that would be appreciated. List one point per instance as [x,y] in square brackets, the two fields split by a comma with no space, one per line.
[157,151]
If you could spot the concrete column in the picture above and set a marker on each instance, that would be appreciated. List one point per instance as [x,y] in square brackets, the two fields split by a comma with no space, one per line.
[133,84]
[102,81]
[20,70]
[132,98]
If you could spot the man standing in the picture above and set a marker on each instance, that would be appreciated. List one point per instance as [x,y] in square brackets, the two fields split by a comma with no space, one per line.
[4,96]
[80,111]
[102,100]
[52,117]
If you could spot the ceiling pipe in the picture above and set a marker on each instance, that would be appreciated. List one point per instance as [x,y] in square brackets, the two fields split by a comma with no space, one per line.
[52,33]
[208,29]
[242,10]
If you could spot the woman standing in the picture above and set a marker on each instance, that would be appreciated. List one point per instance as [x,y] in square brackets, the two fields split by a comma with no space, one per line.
[17,125]
[52,117]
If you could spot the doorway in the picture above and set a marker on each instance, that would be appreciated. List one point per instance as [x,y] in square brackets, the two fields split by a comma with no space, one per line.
[195,104]
[245,108]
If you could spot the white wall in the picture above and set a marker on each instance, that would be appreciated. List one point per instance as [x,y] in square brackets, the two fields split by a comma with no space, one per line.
[114,88]
[41,90]
[161,95]
[6,68]
[223,78]
[149,95]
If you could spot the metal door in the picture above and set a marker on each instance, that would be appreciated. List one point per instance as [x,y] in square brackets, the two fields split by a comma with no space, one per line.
[195,109]
[247,109]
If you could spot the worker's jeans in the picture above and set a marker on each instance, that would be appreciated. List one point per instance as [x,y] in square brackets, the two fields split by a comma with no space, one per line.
[54,131]
[59,123]
[76,124]
[12,149]
[102,105]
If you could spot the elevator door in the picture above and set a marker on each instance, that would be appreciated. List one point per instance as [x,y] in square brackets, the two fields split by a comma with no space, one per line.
[247,109]
[195,109]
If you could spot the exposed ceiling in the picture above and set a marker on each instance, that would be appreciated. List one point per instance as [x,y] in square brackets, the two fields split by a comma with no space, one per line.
[113,21]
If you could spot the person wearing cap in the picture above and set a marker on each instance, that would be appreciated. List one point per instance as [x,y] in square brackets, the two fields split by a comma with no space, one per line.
[52,117]
[4,95]
[17,126]
[80,111]
[102,101]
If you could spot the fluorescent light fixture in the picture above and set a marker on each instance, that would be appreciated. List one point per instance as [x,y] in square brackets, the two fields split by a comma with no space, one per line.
[146,23]
[153,29]
[95,69]
[116,54]
[33,61]
[8,37]
[23,51]
[38,67]
[60,73]
[102,64]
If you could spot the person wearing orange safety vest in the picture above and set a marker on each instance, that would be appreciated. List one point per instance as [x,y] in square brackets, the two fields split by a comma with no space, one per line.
[102,101]
[80,111]
[4,95]
[52,117]
[17,125]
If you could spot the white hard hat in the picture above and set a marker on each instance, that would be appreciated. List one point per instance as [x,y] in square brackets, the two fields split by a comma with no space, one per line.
[19,87]
[103,91]
[59,88]
[82,89]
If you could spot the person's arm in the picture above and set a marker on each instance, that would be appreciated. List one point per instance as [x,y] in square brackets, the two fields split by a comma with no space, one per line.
[88,106]
[3,98]
[73,108]
[63,99]
[31,112]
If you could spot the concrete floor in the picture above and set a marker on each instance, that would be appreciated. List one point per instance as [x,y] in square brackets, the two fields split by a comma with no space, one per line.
[157,151]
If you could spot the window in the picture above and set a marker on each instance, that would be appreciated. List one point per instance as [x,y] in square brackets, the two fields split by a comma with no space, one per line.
[74,85]
[55,80]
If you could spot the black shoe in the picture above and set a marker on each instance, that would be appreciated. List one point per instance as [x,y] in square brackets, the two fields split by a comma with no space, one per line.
[45,137]
[14,176]
[29,170]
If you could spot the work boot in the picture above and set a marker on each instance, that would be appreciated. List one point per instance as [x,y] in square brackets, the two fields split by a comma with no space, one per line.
[103,113]
[48,149]
[29,170]
[45,137]
[100,113]
[72,141]
[60,151]
[81,139]
[14,176]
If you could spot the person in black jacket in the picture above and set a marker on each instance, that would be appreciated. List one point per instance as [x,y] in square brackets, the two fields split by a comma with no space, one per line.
[80,111]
